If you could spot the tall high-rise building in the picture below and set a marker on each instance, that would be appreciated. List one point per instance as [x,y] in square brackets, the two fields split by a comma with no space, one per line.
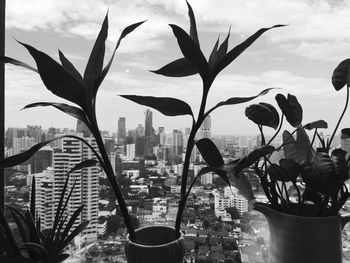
[86,190]
[149,131]
[121,130]
[177,142]
[82,128]
[205,129]
[345,139]
[161,136]
[130,151]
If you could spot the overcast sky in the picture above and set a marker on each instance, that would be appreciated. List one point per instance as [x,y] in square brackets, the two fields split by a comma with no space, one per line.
[299,58]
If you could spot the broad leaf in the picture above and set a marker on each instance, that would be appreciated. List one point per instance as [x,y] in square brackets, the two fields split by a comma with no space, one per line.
[212,156]
[191,51]
[298,149]
[70,110]
[69,66]
[320,124]
[165,105]
[6,230]
[238,100]
[38,250]
[57,79]
[209,152]
[241,182]
[253,157]
[84,164]
[20,225]
[313,196]
[239,49]
[178,68]
[95,63]
[287,171]
[263,114]
[291,109]
[340,76]
[104,72]
[193,26]
[17,63]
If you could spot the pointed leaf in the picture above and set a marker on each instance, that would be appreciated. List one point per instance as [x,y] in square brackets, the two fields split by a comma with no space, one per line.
[95,63]
[178,68]
[70,110]
[193,26]
[17,63]
[69,67]
[33,232]
[22,157]
[252,157]
[320,124]
[287,171]
[104,72]
[340,76]
[239,49]
[57,79]
[165,105]
[238,100]
[311,195]
[290,108]
[191,51]
[84,164]
[212,57]
[220,53]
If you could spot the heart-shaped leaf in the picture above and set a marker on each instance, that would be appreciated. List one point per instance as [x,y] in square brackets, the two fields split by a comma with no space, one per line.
[311,195]
[298,149]
[263,114]
[340,76]
[167,106]
[320,124]
[287,171]
[290,108]
[57,79]
[104,72]
[191,51]
[95,63]
[239,49]
[178,68]
[70,110]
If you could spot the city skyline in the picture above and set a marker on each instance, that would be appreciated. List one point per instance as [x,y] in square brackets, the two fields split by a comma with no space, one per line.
[299,58]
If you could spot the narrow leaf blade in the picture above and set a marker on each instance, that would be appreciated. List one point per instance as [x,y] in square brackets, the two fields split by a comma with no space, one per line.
[178,68]
[167,106]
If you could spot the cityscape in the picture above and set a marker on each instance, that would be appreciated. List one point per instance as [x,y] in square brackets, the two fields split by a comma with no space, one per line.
[218,224]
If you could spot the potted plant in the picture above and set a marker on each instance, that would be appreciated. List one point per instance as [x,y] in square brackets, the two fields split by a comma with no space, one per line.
[304,185]
[155,243]
[36,244]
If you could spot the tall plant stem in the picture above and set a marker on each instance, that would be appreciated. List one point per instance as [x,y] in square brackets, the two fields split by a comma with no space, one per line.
[113,181]
[341,117]
[190,145]
[277,132]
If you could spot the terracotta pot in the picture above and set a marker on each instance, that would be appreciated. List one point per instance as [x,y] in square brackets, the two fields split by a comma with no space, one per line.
[156,244]
[303,239]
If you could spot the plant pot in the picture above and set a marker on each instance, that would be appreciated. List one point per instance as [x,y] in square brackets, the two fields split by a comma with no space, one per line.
[303,239]
[156,244]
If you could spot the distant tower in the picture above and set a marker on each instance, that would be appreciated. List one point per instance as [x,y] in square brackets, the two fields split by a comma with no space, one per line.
[161,135]
[205,130]
[177,142]
[82,128]
[121,130]
[148,123]
[345,139]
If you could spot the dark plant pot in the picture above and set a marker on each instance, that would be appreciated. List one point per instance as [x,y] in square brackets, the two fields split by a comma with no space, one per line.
[156,244]
[303,239]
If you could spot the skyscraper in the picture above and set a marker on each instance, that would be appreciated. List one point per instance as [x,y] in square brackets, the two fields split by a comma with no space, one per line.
[82,128]
[149,131]
[121,130]
[205,130]
[177,142]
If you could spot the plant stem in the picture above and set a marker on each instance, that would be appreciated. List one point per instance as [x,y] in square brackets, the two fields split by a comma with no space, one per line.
[341,117]
[278,130]
[113,181]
